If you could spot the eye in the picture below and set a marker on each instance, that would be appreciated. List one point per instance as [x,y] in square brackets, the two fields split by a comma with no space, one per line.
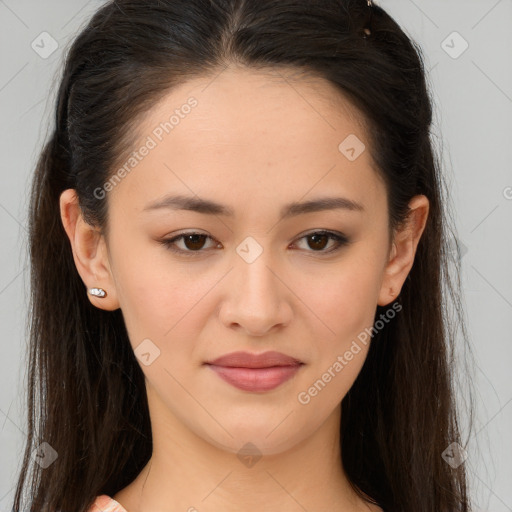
[319,239]
[194,242]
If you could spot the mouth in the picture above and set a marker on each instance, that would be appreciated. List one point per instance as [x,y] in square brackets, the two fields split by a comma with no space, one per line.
[255,372]
[248,360]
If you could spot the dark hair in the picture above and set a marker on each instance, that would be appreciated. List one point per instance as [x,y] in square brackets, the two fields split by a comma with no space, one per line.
[400,414]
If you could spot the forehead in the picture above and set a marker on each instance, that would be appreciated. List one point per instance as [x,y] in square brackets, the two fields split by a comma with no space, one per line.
[242,104]
[252,132]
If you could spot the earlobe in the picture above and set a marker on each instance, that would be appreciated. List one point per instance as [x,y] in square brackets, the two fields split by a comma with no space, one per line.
[89,252]
[403,251]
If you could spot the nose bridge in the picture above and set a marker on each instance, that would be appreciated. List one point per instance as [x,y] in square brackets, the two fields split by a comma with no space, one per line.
[256,278]
[256,299]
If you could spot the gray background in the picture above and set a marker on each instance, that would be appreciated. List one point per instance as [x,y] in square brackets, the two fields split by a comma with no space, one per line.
[473,94]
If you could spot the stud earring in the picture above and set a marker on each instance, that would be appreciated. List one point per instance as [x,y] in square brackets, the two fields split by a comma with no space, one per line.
[98,292]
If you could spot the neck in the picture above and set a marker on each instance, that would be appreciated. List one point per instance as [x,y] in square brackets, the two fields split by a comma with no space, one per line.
[188,473]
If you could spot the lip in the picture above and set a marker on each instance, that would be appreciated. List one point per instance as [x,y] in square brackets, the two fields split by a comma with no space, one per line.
[255,372]
[247,360]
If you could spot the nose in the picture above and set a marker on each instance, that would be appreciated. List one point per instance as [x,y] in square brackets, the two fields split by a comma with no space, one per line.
[257,298]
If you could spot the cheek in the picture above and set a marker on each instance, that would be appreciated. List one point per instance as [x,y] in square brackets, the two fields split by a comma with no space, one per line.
[160,300]
[346,297]
[345,302]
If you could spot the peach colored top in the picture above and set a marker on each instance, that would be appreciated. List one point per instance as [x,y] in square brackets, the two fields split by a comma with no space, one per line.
[105,503]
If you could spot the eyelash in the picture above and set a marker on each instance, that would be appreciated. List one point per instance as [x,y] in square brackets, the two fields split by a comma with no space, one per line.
[339,238]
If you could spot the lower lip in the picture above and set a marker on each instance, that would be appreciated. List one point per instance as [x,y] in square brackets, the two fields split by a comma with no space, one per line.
[255,379]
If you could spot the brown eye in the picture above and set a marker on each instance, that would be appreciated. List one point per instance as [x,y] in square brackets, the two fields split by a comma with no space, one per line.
[319,240]
[192,243]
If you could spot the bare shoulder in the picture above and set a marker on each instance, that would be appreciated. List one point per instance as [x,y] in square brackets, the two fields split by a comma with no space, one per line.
[105,503]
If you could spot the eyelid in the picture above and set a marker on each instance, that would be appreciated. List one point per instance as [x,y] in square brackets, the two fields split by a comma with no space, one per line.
[168,243]
[340,238]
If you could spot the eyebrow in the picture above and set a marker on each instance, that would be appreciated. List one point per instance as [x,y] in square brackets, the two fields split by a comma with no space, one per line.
[205,206]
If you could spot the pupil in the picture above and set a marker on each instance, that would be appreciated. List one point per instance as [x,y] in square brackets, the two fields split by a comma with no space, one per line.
[316,237]
[193,239]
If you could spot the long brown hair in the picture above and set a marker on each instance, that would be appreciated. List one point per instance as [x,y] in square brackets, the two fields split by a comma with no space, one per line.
[86,392]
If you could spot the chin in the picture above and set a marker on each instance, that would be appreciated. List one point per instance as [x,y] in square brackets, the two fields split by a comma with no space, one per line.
[257,437]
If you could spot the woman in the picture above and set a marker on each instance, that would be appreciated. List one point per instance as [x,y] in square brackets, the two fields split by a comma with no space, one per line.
[238,268]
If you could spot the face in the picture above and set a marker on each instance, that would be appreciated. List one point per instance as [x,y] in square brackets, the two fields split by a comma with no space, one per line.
[257,276]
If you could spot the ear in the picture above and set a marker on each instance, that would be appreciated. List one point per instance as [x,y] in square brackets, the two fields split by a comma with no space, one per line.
[89,252]
[403,250]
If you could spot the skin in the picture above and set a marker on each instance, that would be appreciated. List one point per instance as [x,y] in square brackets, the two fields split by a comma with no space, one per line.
[240,146]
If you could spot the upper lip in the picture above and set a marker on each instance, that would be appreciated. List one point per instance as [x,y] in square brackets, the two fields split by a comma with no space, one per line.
[247,360]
